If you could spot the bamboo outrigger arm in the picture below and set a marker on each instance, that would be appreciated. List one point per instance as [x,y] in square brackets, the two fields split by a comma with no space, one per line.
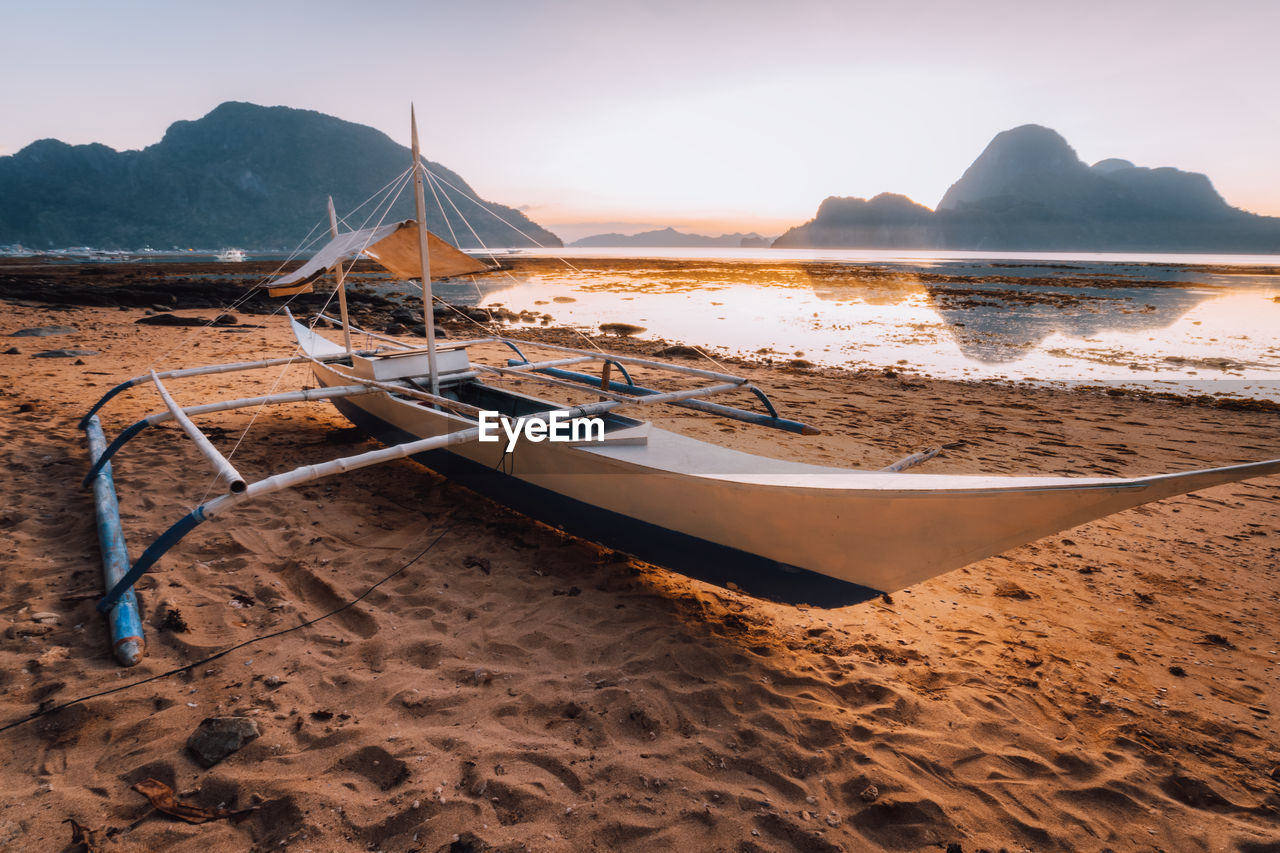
[769,420]
[300,476]
[549,373]
[222,466]
[230,367]
[304,396]
[622,398]
[642,362]
[548,367]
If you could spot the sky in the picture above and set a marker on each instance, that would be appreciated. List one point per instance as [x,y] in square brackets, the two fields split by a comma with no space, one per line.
[717,116]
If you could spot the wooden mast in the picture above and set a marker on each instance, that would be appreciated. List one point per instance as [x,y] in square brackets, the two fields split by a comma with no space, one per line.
[428,315]
[341,276]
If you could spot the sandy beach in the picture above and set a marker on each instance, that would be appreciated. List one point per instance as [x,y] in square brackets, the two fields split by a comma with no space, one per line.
[1111,688]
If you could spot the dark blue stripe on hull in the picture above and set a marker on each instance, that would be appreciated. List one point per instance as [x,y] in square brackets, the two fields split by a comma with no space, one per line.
[688,555]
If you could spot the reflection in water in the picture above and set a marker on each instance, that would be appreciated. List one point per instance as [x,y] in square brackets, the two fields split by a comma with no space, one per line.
[1087,321]
[1003,325]
[1001,322]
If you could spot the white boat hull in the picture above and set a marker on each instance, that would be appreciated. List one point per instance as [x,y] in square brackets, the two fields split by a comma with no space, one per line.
[684,503]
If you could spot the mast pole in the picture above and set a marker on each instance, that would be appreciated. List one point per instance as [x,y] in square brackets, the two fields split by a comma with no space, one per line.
[424,252]
[341,276]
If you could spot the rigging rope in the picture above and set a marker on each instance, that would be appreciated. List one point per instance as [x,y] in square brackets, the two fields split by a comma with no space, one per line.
[386,204]
[209,659]
[491,255]
[480,204]
[389,201]
[303,245]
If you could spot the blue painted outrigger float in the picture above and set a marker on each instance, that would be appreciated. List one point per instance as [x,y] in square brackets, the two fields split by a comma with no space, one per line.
[123,621]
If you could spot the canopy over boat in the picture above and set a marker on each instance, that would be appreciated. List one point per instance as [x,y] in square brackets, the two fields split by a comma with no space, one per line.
[394,247]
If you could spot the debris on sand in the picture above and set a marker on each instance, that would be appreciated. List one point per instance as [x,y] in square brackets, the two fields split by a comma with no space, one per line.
[170,320]
[83,839]
[621,330]
[481,563]
[678,351]
[1215,640]
[171,619]
[217,737]
[43,331]
[164,800]
[1009,589]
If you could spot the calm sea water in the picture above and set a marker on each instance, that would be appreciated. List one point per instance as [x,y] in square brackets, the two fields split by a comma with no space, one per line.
[905,256]
[1183,323]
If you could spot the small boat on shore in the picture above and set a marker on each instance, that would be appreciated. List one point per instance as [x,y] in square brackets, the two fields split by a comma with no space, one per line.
[784,530]
[231,256]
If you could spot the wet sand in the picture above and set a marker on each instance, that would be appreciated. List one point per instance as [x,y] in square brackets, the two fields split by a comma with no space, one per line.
[1110,688]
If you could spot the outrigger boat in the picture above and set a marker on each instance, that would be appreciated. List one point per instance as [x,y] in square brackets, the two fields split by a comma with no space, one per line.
[783,530]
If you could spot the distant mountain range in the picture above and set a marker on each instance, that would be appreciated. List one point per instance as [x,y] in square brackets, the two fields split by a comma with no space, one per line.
[258,178]
[671,238]
[244,175]
[1029,191]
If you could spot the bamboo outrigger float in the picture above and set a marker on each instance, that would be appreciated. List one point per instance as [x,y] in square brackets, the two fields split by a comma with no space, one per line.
[123,620]
[783,530]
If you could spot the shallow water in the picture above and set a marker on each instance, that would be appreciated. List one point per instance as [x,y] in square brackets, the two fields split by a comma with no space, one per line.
[1145,322]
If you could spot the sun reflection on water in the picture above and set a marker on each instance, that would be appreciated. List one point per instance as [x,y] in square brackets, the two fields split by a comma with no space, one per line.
[1207,332]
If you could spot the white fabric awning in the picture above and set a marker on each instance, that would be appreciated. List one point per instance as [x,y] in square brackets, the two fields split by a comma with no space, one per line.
[394,247]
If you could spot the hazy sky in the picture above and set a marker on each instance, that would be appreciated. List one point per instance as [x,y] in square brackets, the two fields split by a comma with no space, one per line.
[711,116]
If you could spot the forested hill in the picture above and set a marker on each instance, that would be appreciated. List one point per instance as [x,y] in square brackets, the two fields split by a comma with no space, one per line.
[244,175]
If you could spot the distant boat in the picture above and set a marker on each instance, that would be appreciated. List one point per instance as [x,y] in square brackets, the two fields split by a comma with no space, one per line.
[233,256]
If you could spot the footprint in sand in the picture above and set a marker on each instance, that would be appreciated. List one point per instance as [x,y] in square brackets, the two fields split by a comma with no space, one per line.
[323,597]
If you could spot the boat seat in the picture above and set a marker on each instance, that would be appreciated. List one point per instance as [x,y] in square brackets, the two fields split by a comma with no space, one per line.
[410,364]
